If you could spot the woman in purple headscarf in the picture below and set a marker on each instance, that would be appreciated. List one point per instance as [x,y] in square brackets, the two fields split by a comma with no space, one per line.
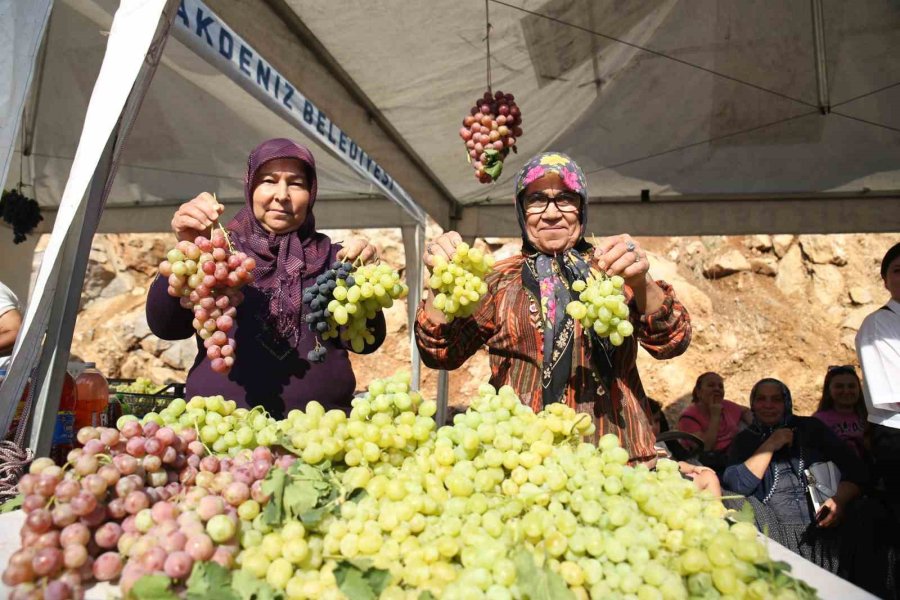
[278,229]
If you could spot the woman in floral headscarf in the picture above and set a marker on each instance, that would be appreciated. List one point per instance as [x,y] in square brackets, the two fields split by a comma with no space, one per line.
[537,348]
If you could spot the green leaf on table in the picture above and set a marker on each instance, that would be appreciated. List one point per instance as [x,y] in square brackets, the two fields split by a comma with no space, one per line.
[12,504]
[210,581]
[358,580]
[426,595]
[539,583]
[248,587]
[152,587]
[273,485]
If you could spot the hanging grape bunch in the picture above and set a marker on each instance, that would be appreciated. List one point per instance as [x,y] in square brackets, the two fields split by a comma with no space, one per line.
[490,131]
[343,300]
[601,306]
[206,275]
[20,212]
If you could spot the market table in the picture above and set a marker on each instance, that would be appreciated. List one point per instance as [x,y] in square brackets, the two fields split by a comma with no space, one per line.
[828,585]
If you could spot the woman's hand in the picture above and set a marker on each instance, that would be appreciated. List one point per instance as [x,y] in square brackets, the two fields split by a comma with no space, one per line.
[830,513]
[780,439]
[622,255]
[196,217]
[444,246]
[358,248]
[690,470]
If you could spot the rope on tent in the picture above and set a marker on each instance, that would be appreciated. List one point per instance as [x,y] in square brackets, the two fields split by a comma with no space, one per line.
[14,455]
[487,39]
[867,122]
[706,141]
[867,94]
[657,53]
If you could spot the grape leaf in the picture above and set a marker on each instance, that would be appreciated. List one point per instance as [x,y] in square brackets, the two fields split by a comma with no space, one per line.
[249,587]
[210,581]
[273,485]
[539,583]
[426,595]
[746,514]
[12,504]
[493,163]
[152,587]
[358,580]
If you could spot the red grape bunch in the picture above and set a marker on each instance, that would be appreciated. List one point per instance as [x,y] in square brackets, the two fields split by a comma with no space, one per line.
[489,131]
[206,275]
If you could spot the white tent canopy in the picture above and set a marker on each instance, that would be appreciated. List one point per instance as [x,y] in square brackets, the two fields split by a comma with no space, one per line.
[688,117]
[714,109]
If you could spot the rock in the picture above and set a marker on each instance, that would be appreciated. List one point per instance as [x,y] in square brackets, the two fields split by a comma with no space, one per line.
[764,265]
[824,249]
[760,243]
[725,263]
[857,316]
[828,284]
[792,277]
[695,247]
[122,283]
[696,302]
[834,314]
[508,249]
[154,345]
[860,295]
[181,354]
[97,277]
[781,244]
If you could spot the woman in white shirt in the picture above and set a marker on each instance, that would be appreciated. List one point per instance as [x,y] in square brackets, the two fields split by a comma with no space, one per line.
[10,321]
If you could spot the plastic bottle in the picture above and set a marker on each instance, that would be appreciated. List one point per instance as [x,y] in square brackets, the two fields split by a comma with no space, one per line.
[93,398]
[64,430]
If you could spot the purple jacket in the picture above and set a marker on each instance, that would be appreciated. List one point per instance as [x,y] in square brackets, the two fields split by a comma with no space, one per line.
[266,371]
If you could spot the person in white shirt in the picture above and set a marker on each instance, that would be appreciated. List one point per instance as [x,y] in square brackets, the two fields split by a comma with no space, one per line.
[10,322]
[878,347]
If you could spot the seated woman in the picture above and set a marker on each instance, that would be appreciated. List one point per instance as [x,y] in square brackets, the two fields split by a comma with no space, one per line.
[713,419]
[534,346]
[277,228]
[768,462]
[842,407]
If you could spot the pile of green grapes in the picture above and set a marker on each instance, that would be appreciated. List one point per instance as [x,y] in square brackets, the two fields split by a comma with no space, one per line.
[221,425]
[459,284]
[601,306]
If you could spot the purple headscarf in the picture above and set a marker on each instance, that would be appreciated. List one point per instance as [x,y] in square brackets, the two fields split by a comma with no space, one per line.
[281,260]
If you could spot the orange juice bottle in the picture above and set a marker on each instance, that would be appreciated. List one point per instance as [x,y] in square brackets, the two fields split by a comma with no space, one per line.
[92,398]
[64,431]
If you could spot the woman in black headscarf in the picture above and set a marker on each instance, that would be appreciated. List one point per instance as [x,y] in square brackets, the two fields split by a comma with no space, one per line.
[769,462]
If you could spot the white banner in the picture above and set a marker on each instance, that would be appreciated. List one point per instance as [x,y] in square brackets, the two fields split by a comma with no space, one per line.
[197,27]
[22,25]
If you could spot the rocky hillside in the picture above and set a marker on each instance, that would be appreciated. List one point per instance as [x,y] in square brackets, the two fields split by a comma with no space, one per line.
[783,306]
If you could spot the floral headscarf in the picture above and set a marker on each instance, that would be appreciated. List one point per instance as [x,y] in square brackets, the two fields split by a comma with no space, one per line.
[572,177]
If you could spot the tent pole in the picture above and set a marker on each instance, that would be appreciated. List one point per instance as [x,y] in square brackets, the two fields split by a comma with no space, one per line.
[413,245]
[443,389]
[64,308]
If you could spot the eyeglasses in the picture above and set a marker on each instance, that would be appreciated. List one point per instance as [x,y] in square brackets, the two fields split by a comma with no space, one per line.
[566,202]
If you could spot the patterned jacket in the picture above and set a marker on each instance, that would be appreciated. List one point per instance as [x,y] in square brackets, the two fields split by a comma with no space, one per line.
[509,323]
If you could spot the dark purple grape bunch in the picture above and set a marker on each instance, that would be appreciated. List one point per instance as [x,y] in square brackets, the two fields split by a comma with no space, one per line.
[316,299]
[20,212]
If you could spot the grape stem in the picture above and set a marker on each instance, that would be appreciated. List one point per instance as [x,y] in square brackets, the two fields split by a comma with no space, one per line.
[223,230]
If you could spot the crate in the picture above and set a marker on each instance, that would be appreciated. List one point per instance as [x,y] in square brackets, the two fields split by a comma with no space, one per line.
[131,403]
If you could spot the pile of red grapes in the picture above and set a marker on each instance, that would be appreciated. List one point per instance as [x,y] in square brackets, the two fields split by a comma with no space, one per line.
[134,502]
[490,131]
[207,276]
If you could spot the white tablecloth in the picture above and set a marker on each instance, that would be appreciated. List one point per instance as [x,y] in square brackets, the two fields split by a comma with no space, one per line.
[828,585]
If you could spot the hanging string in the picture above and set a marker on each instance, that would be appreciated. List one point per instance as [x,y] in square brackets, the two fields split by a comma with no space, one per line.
[487,38]
[22,150]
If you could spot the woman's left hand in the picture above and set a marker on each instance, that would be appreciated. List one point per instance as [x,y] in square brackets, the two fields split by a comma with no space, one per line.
[622,255]
[690,470]
[830,513]
[358,248]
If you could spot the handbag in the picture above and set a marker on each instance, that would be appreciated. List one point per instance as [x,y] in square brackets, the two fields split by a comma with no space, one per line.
[822,479]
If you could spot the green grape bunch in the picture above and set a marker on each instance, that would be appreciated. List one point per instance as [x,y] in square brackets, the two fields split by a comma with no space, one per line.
[459,284]
[373,288]
[601,307]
